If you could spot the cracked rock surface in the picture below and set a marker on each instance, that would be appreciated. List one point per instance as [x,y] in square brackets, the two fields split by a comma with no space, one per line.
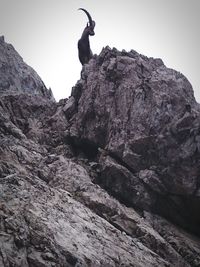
[108,177]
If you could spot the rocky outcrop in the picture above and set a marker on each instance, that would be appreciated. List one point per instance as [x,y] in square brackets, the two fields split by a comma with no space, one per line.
[108,177]
[16,75]
[145,117]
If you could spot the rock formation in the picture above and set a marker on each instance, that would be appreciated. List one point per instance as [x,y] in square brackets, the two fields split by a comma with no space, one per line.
[108,177]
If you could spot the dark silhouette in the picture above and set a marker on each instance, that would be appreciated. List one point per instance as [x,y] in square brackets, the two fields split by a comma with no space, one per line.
[84,51]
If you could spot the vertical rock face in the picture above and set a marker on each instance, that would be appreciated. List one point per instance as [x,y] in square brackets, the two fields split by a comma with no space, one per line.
[145,117]
[108,177]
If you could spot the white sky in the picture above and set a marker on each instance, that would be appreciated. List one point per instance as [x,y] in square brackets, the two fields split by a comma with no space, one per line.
[45,33]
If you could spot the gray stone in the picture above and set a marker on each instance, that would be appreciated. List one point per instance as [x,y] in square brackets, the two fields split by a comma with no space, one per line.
[148,122]
[17,76]
[98,179]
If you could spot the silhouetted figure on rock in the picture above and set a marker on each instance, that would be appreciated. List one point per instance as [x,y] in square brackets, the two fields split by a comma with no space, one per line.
[84,51]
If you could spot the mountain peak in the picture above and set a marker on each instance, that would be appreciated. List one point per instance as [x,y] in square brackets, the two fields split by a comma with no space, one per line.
[16,75]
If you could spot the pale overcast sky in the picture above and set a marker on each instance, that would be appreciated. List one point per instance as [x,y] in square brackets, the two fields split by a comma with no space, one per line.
[45,33]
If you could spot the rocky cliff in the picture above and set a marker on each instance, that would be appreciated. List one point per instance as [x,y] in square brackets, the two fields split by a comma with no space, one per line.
[108,177]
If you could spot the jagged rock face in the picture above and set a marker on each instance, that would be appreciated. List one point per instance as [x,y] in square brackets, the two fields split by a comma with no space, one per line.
[128,97]
[146,118]
[58,173]
[16,75]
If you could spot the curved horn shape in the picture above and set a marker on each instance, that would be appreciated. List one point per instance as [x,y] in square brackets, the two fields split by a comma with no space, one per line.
[88,15]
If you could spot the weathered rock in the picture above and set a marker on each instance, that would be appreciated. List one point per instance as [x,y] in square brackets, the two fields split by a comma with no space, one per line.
[145,117]
[71,195]
[129,98]
[16,75]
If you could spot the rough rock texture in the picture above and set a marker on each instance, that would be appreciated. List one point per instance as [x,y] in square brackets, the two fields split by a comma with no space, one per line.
[108,177]
[17,76]
[145,117]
